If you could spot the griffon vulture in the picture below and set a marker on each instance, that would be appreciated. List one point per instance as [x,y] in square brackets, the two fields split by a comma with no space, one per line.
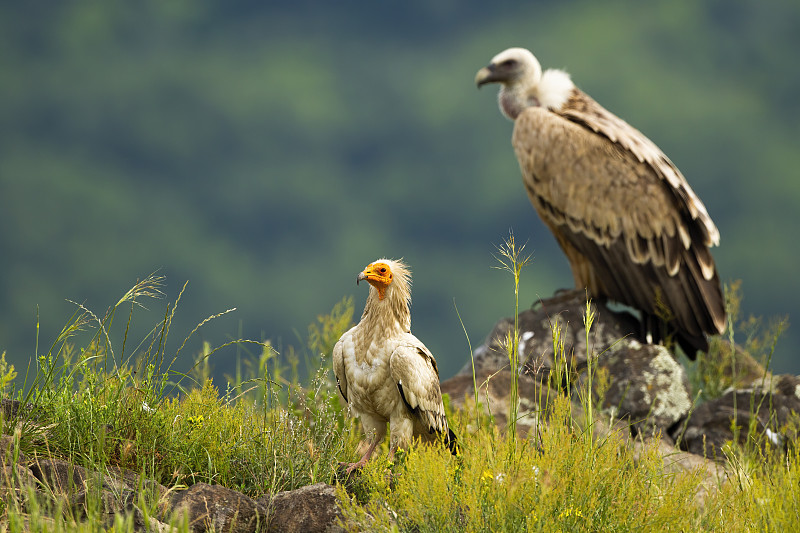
[384,373]
[630,225]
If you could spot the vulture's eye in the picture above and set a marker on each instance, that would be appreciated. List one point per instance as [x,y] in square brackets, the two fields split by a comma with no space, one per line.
[509,63]
[383,271]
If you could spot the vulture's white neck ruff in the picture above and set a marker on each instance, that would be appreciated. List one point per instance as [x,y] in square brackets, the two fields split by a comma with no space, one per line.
[531,87]
[554,89]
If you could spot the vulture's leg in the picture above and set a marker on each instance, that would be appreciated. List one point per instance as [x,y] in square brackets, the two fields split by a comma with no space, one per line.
[401,433]
[361,462]
[378,430]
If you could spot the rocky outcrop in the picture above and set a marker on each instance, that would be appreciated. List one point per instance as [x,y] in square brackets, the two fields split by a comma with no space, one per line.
[711,474]
[644,390]
[648,388]
[56,483]
[210,508]
[493,395]
[16,481]
[14,408]
[565,313]
[311,508]
[772,410]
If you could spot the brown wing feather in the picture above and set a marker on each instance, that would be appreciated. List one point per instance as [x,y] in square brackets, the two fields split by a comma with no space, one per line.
[582,109]
[627,220]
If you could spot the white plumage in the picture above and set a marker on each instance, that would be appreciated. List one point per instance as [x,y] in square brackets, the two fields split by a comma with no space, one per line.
[384,373]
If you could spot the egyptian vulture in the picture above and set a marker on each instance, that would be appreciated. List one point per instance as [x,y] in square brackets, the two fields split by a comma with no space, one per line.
[384,373]
[631,227]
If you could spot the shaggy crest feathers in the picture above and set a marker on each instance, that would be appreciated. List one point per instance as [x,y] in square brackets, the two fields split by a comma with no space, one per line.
[397,295]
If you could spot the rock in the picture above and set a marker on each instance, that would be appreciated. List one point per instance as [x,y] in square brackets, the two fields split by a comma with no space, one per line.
[152,490]
[217,508]
[13,408]
[493,395]
[675,461]
[535,401]
[7,451]
[789,387]
[733,368]
[536,335]
[60,476]
[146,524]
[117,491]
[645,380]
[773,414]
[113,496]
[648,387]
[16,481]
[310,509]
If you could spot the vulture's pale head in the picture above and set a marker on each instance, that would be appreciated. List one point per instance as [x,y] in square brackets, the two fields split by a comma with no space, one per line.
[388,276]
[522,82]
[511,67]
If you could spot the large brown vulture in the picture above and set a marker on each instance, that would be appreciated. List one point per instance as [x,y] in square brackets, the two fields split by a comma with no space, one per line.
[631,227]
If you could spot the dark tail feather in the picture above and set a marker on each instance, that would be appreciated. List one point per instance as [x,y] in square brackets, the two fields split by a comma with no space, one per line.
[452,443]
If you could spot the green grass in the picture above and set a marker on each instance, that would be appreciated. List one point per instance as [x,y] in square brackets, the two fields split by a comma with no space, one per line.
[100,407]
[112,404]
[567,483]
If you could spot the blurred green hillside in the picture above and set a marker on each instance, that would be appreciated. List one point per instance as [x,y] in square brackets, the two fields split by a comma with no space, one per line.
[266,152]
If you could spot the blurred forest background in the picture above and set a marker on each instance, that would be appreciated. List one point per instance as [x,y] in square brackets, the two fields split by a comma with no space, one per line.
[267,151]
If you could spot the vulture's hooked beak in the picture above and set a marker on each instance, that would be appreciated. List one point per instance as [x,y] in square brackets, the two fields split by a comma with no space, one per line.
[379,275]
[486,75]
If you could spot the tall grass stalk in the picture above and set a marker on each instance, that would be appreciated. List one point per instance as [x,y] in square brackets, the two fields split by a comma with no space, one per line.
[472,360]
[588,320]
[512,260]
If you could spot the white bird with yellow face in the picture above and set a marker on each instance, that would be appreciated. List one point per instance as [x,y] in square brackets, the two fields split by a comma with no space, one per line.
[384,373]
[630,225]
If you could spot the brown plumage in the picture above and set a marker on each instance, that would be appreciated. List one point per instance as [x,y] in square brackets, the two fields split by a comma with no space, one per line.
[384,373]
[630,225]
